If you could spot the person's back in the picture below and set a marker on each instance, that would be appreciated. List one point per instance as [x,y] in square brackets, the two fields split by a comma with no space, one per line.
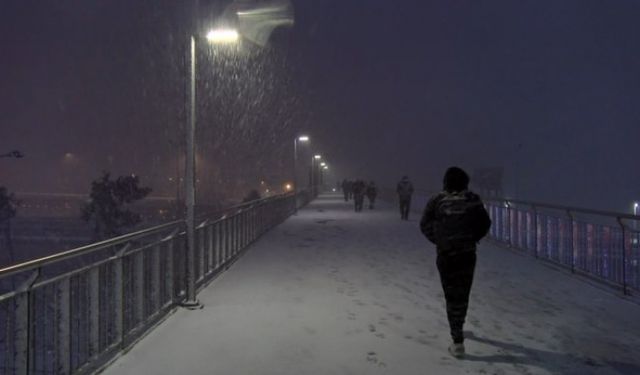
[460,221]
[404,188]
[455,220]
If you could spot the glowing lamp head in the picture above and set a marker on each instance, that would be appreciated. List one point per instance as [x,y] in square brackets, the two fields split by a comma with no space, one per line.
[303,138]
[288,187]
[317,157]
[223,36]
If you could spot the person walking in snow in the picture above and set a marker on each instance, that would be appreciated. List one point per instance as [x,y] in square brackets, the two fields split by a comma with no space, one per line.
[358,189]
[404,190]
[372,192]
[455,220]
[346,187]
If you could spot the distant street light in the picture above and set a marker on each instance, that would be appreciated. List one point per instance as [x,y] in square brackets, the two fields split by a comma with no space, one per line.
[304,139]
[13,154]
[313,173]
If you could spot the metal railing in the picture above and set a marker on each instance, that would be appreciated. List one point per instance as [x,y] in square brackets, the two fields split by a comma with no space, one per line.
[74,311]
[601,245]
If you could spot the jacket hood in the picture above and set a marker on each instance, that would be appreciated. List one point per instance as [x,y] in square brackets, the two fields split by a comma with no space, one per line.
[455,179]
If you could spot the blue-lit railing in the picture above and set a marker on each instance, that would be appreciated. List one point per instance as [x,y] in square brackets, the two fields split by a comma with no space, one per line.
[601,245]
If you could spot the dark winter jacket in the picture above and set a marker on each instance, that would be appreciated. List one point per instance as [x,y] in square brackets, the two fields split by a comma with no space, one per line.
[372,191]
[346,185]
[404,189]
[455,222]
[359,188]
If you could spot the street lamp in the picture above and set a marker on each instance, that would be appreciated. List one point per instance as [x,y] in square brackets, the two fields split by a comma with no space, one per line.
[304,139]
[255,23]
[313,172]
[325,167]
[223,36]
[216,36]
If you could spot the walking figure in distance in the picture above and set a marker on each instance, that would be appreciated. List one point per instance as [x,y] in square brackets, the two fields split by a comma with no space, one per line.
[455,220]
[404,190]
[346,187]
[358,188]
[372,192]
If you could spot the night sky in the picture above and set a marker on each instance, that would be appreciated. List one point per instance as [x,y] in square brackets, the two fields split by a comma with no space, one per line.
[384,88]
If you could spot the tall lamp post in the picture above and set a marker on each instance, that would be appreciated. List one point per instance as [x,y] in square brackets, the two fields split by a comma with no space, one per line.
[256,24]
[218,36]
[320,172]
[302,138]
[325,167]
[313,172]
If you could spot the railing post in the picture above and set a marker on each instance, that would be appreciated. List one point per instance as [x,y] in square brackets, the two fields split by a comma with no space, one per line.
[170,285]
[218,242]
[535,231]
[63,327]
[625,290]
[138,277]
[508,223]
[573,242]
[234,234]
[118,286]
[24,318]
[94,311]
[226,239]
[210,251]
[156,299]
[200,235]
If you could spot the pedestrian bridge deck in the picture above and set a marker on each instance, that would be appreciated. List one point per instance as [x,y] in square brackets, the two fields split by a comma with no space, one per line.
[331,291]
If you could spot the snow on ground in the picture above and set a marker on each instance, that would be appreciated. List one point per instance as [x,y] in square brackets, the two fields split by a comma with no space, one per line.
[331,291]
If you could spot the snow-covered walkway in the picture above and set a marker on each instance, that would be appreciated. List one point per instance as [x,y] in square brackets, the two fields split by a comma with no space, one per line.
[331,291]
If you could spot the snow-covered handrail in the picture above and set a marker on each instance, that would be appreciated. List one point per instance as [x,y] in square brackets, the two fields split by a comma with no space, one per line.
[74,311]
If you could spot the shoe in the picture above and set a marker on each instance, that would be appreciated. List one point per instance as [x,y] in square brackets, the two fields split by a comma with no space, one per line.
[457,350]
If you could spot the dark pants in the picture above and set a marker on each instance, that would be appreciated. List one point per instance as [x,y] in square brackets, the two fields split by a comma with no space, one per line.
[405,206]
[456,276]
[346,196]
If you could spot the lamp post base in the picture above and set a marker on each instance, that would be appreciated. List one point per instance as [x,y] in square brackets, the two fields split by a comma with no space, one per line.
[191,305]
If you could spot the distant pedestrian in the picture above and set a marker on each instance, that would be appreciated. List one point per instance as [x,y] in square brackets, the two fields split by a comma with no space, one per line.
[346,187]
[455,220]
[359,189]
[404,190]
[372,193]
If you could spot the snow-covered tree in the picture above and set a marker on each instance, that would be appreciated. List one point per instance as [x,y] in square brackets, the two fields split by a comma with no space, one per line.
[108,208]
